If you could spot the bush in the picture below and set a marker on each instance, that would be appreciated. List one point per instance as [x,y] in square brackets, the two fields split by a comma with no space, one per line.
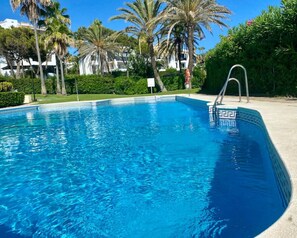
[26,85]
[9,99]
[87,84]
[139,87]
[90,84]
[173,79]
[130,86]
[6,86]
[122,85]
[266,47]
[199,76]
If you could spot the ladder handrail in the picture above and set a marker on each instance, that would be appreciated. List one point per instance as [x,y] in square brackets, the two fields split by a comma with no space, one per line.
[223,90]
[239,87]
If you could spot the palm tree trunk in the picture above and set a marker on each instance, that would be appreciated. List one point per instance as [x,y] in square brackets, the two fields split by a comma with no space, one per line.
[154,65]
[191,52]
[43,87]
[62,78]
[99,67]
[179,56]
[58,77]
[102,65]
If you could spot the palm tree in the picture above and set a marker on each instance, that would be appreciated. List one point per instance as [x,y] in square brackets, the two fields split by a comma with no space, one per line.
[99,42]
[173,43]
[144,15]
[195,16]
[32,9]
[57,38]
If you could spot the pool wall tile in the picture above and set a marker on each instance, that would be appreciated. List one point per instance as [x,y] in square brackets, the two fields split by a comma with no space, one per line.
[281,174]
[18,109]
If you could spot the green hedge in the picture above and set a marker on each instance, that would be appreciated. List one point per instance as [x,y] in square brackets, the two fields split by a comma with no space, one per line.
[266,46]
[90,84]
[26,85]
[9,99]
[95,84]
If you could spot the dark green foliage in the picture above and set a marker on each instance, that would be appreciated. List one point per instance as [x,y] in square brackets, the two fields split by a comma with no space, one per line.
[130,86]
[140,66]
[26,85]
[199,76]
[90,84]
[9,99]
[266,46]
[173,79]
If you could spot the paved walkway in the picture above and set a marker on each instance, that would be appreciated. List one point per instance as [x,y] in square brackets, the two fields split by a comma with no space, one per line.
[280,117]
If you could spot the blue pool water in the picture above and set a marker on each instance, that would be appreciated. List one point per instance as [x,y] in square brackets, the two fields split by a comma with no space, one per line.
[145,170]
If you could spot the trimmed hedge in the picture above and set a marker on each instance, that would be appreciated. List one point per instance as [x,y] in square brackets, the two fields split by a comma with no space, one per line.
[26,85]
[96,84]
[87,84]
[9,99]
[266,46]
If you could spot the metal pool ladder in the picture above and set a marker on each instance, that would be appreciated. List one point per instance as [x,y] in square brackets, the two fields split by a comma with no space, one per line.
[220,97]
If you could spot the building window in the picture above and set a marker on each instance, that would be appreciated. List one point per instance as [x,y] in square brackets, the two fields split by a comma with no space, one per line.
[183,57]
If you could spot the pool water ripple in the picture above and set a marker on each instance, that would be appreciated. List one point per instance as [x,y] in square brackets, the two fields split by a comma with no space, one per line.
[146,170]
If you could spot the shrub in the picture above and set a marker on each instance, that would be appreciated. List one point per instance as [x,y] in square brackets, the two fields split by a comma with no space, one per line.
[9,99]
[199,76]
[172,79]
[130,86]
[139,87]
[90,84]
[266,47]
[122,85]
[26,85]
[5,86]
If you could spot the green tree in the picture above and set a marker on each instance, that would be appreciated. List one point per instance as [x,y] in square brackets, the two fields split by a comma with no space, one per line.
[16,45]
[144,15]
[32,9]
[99,42]
[57,38]
[196,16]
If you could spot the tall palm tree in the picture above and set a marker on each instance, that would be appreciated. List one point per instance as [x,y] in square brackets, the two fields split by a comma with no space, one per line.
[32,9]
[196,16]
[57,37]
[144,15]
[99,42]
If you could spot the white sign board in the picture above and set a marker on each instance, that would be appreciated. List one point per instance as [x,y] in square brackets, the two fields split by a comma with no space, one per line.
[150,82]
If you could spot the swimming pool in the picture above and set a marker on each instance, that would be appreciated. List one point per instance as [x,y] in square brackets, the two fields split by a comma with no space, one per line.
[156,169]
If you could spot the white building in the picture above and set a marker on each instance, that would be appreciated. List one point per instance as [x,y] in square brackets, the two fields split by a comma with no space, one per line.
[89,64]
[49,65]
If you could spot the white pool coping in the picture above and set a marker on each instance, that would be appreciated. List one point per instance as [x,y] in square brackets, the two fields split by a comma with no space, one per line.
[280,117]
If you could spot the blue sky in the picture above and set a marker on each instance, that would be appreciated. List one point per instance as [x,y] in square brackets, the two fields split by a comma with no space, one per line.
[83,13]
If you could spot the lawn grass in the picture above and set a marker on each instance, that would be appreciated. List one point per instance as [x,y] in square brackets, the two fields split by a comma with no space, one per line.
[52,98]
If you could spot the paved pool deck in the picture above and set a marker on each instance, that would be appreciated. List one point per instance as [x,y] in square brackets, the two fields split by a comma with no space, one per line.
[280,118]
